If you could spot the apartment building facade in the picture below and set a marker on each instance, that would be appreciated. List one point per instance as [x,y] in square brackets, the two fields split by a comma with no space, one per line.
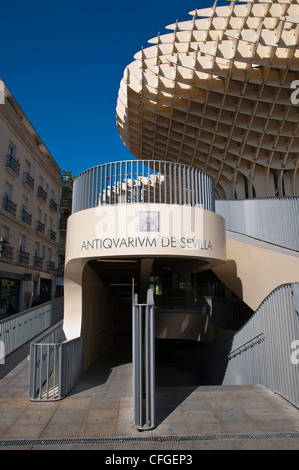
[30,185]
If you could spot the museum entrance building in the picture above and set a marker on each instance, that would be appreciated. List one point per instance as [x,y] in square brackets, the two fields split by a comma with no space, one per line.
[152,257]
[141,227]
[195,240]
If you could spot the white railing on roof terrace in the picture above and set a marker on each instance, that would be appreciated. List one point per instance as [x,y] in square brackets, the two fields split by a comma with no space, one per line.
[143,181]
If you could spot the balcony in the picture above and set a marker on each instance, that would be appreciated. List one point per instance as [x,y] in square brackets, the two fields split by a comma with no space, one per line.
[28,181]
[62,224]
[51,266]
[52,234]
[66,204]
[7,252]
[25,216]
[53,205]
[39,226]
[8,205]
[13,165]
[23,257]
[60,271]
[41,193]
[38,261]
[61,249]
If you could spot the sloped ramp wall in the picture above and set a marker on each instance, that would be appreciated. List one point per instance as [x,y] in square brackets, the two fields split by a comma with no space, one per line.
[274,220]
[266,350]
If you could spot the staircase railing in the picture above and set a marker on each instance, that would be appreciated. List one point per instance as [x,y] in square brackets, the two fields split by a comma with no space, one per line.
[18,329]
[56,365]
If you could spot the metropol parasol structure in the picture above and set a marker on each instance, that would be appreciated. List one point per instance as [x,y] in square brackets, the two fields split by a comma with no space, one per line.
[218,92]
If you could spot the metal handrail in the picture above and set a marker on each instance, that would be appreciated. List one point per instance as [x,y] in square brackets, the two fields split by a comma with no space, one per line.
[56,365]
[18,329]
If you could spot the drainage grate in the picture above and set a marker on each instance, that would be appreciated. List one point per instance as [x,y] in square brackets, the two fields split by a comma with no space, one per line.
[150,439]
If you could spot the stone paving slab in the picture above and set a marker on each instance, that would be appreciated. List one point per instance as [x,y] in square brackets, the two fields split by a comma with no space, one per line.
[100,407]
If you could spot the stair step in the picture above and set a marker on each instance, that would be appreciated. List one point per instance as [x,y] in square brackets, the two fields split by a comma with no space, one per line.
[174,376]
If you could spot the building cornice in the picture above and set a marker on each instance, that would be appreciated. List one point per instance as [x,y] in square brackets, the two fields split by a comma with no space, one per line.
[13,115]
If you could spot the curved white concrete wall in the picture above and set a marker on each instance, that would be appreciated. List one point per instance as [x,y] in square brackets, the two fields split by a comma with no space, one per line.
[137,230]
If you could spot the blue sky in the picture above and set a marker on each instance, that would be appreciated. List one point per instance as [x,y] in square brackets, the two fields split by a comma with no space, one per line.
[63,62]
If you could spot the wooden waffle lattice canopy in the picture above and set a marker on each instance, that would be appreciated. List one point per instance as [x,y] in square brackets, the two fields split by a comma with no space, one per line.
[216,93]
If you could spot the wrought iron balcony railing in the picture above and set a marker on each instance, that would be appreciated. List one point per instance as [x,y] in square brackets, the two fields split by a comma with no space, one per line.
[40,227]
[13,164]
[7,252]
[66,203]
[52,234]
[41,193]
[25,216]
[51,266]
[8,205]
[53,205]
[28,180]
[38,261]
[62,224]
[23,257]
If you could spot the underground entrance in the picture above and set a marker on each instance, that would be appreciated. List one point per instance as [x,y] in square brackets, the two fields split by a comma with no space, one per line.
[193,310]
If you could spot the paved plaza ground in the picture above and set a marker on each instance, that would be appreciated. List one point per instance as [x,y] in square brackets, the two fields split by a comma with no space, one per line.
[98,413]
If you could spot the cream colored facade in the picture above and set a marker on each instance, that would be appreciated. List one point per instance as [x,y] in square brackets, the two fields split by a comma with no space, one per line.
[29,211]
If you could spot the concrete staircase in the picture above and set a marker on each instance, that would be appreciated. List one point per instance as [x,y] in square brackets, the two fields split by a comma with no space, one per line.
[171,369]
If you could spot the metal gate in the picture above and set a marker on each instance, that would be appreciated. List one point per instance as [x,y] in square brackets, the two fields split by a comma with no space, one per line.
[144,363]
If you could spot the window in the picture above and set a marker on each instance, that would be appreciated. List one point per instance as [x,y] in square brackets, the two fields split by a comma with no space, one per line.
[9,190]
[27,178]
[28,167]
[12,150]
[39,215]
[22,243]
[25,215]
[5,233]
[40,227]
[38,260]
[37,249]
[23,256]
[52,233]
[41,193]
[7,202]
[25,203]
[6,251]
[11,163]
[51,264]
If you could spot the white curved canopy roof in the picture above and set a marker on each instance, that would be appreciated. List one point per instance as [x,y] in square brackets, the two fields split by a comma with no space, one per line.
[216,93]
